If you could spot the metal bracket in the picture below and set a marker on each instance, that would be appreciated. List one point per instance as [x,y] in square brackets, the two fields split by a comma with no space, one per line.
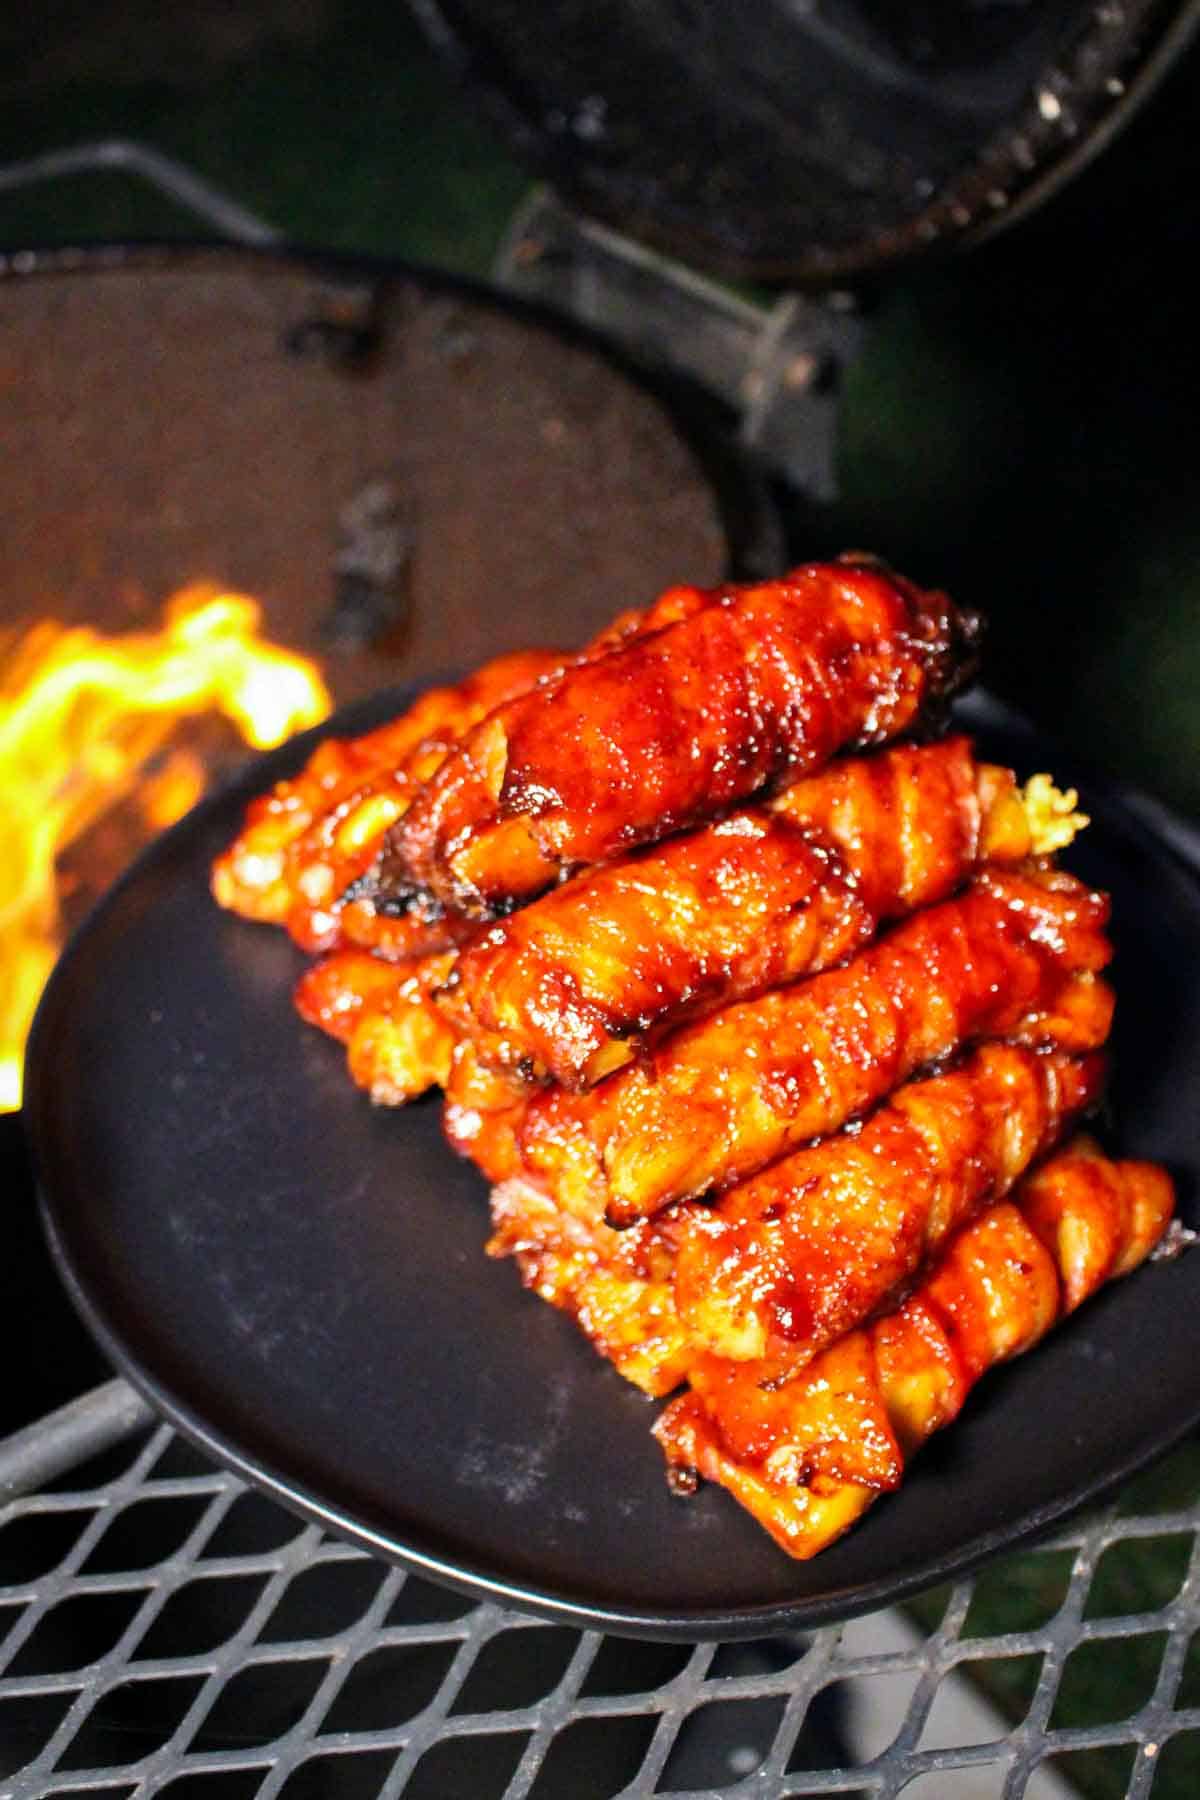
[778,367]
[125,156]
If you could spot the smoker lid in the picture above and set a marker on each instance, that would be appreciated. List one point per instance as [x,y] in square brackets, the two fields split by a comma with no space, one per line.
[807,140]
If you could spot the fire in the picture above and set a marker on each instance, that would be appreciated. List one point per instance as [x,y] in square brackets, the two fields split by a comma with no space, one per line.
[81,715]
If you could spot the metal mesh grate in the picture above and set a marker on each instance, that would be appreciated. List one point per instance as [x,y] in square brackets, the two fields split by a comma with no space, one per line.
[165,1629]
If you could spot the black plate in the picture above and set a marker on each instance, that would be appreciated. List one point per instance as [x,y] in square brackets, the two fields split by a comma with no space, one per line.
[298,1280]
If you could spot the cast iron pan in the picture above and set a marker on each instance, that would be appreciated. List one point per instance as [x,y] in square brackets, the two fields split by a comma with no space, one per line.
[298,1280]
[807,140]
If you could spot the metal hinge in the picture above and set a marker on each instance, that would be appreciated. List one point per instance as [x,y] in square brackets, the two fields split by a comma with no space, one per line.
[778,367]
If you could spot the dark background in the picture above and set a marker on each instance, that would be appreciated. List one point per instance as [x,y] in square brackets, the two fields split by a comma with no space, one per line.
[1019,428]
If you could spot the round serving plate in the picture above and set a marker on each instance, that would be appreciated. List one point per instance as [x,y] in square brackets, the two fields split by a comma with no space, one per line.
[297,1279]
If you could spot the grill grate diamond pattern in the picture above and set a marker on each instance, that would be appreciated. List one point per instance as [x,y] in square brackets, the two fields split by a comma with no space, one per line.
[230,1649]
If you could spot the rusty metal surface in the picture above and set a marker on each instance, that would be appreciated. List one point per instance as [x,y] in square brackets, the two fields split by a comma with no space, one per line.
[220,415]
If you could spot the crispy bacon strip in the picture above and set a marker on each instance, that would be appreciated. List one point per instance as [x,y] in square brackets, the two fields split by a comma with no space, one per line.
[419,923]
[482,1113]
[754,689]
[808,1459]
[304,843]
[329,861]
[580,982]
[398,1044]
[395,937]
[324,825]
[854,1228]
[1015,955]
[786,1262]
[334,993]
[911,822]
[616,1285]
[576,984]
[672,607]
[402,1045]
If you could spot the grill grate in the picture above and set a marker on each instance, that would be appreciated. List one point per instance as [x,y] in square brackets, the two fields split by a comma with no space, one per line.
[165,1629]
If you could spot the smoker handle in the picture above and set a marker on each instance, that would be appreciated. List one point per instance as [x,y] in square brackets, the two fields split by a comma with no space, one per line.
[40,1452]
[125,156]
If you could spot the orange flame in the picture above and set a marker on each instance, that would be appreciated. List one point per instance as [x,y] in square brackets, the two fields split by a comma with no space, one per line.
[80,714]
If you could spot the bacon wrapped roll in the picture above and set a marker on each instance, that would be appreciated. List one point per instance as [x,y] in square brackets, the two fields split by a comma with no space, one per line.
[808,1459]
[323,894]
[584,979]
[1016,955]
[786,1262]
[755,688]
[304,842]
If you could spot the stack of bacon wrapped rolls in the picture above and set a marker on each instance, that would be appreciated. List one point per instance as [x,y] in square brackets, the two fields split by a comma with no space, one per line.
[762,1007]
